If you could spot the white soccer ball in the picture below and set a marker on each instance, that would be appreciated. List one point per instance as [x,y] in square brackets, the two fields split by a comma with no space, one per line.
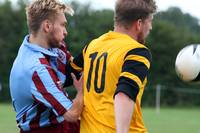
[188,63]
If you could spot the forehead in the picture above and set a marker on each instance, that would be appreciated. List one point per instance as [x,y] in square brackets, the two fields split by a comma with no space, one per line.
[149,18]
[60,17]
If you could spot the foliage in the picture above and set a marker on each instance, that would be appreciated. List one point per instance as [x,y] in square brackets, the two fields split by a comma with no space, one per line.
[86,25]
[172,30]
[13,28]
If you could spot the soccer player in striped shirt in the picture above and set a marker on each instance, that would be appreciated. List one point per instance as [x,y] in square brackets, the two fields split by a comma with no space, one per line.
[38,71]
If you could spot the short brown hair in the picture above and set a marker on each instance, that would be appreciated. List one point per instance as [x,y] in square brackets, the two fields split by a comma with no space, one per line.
[127,11]
[40,10]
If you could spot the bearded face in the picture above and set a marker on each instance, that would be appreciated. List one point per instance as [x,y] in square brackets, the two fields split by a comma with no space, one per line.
[58,32]
[54,41]
[145,29]
[141,38]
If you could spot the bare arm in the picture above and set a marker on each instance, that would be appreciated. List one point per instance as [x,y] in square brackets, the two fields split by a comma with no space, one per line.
[74,112]
[123,107]
[134,71]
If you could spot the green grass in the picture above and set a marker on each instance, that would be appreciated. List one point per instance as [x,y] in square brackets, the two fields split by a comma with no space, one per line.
[172,120]
[169,120]
[7,119]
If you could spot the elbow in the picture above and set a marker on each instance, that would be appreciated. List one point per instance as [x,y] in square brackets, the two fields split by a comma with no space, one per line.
[75,111]
[71,116]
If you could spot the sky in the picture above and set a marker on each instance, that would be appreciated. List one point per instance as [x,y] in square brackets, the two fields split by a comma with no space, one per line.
[187,6]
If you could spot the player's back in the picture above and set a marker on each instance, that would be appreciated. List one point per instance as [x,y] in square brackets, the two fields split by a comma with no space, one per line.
[103,61]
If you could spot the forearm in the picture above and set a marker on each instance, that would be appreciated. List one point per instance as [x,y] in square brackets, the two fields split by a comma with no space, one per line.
[78,103]
[123,107]
[74,112]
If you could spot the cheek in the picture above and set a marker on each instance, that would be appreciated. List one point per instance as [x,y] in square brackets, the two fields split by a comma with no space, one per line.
[147,29]
[58,33]
[149,26]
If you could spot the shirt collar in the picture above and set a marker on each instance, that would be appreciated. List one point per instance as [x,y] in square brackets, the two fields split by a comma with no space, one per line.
[118,34]
[36,47]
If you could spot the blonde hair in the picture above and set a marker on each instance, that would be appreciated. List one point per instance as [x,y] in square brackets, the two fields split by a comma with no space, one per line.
[40,10]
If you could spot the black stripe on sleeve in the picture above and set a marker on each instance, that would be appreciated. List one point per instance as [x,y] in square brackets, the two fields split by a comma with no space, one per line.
[69,70]
[78,60]
[141,52]
[128,87]
[135,67]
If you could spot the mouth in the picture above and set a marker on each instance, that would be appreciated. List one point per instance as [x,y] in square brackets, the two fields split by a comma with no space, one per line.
[63,42]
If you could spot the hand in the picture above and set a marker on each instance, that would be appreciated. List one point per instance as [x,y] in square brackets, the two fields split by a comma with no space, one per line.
[78,84]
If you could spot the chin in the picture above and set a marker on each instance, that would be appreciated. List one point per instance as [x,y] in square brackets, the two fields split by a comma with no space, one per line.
[60,44]
[55,45]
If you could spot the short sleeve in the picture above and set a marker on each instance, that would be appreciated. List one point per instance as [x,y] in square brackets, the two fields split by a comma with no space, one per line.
[134,71]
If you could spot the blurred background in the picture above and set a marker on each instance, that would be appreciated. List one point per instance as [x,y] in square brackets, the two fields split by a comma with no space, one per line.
[169,105]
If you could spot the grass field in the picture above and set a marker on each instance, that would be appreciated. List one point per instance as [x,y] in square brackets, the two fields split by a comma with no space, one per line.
[7,119]
[169,120]
[172,120]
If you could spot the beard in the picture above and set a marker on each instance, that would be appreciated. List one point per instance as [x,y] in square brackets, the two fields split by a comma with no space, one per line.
[52,41]
[141,38]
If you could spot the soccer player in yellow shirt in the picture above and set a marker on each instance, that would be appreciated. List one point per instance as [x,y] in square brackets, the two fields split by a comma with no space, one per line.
[115,68]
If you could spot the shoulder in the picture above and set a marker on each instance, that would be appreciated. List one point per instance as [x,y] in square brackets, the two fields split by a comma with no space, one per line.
[34,61]
[140,51]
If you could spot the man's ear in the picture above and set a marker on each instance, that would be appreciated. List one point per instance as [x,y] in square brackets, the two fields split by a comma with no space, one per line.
[138,24]
[46,26]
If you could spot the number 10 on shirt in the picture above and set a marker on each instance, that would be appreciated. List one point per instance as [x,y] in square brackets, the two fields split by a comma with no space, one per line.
[94,68]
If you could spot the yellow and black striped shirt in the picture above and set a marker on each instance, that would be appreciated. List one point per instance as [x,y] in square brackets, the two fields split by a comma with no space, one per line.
[112,63]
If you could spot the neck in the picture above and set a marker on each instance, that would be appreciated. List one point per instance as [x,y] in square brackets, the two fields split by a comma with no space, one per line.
[39,40]
[129,32]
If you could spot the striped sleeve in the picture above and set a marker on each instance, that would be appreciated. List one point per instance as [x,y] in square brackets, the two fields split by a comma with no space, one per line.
[75,66]
[78,62]
[45,89]
[134,71]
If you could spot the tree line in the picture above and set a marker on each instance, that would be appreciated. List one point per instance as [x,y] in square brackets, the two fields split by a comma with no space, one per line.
[172,30]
